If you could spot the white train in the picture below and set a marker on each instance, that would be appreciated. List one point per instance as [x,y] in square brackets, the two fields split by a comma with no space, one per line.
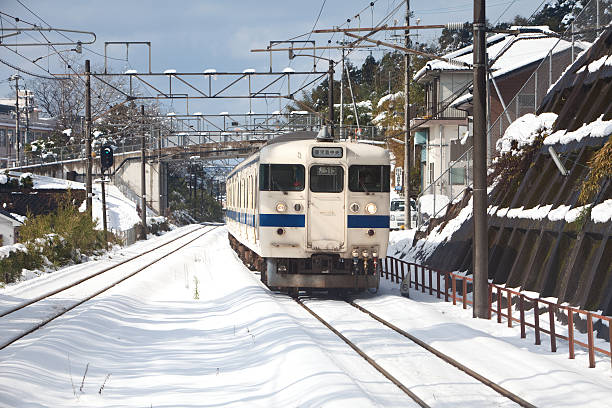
[311,212]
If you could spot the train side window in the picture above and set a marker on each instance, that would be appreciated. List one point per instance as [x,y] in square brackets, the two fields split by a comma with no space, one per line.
[369,179]
[281,177]
[326,179]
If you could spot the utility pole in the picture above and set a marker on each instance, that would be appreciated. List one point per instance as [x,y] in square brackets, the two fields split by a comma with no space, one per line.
[330,97]
[407,209]
[143,188]
[88,137]
[342,93]
[27,116]
[17,138]
[480,242]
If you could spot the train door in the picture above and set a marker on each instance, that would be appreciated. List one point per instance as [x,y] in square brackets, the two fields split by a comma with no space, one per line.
[326,208]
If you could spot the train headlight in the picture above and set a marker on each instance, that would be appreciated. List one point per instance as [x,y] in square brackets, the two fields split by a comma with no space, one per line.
[281,207]
[354,207]
[392,217]
[371,208]
[297,207]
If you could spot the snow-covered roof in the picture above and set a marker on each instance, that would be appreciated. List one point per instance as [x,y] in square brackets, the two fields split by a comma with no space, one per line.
[8,217]
[509,52]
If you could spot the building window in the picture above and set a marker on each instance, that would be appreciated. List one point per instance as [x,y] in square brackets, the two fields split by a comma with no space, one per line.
[457,175]
[2,137]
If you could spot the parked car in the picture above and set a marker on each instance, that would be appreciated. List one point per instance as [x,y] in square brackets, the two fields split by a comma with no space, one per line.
[397,214]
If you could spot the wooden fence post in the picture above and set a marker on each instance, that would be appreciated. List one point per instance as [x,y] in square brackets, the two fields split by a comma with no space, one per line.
[553,336]
[490,305]
[464,294]
[423,279]
[591,342]
[522,316]
[499,305]
[509,297]
[536,322]
[570,332]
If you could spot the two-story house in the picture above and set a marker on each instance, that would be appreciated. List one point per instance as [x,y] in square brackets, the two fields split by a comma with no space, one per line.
[31,126]
[444,126]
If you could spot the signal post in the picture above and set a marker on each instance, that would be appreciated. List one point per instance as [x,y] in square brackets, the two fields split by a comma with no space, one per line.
[106,162]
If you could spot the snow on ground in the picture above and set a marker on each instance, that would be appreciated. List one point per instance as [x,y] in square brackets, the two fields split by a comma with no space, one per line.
[197,330]
[120,211]
[542,378]
[201,330]
[430,204]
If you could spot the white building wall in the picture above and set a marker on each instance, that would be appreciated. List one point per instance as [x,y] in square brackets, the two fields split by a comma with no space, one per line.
[438,157]
[7,232]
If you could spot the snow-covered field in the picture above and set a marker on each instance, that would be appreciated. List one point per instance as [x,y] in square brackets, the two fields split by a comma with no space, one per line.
[199,329]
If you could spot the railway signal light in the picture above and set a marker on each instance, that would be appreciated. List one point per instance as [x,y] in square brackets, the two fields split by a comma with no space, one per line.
[106,157]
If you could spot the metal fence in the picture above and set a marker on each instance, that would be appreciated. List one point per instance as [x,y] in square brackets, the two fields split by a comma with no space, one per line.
[508,306]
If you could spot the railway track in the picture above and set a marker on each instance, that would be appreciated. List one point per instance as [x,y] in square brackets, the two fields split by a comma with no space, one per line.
[56,308]
[350,328]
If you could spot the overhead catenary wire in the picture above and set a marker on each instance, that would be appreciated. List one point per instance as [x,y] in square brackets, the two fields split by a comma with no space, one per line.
[347,22]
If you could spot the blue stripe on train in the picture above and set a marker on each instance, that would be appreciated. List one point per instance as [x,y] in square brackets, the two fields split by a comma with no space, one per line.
[282,220]
[368,221]
[242,218]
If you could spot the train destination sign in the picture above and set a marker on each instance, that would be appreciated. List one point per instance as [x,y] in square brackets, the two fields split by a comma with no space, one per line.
[327,152]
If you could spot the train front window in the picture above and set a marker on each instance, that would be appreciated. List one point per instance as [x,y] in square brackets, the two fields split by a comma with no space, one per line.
[326,179]
[369,179]
[281,177]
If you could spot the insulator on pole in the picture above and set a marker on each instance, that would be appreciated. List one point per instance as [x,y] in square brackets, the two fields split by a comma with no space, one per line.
[454,26]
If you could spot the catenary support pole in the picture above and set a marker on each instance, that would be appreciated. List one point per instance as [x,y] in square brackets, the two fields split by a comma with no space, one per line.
[407,165]
[480,244]
[88,137]
[342,94]
[17,138]
[143,187]
[330,97]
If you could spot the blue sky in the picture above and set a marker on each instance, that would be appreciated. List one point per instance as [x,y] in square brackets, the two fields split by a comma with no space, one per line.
[190,36]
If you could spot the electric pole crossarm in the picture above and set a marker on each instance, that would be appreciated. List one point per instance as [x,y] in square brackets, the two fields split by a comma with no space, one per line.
[356,29]
[410,50]
[331,47]
[18,30]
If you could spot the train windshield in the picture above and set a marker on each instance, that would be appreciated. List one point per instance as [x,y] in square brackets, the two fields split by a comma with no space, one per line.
[369,179]
[326,179]
[281,177]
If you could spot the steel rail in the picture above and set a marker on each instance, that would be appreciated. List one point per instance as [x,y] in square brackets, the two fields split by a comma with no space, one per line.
[501,390]
[366,357]
[78,282]
[67,309]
